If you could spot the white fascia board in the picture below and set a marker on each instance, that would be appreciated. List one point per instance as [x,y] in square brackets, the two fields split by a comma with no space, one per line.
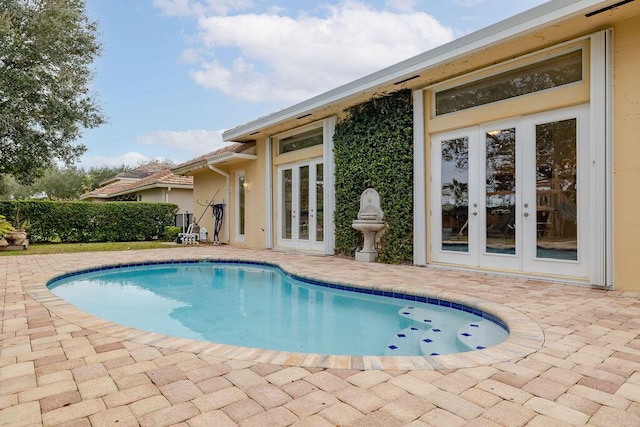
[94,196]
[190,168]
[150,187]
[529,20]
[225,157]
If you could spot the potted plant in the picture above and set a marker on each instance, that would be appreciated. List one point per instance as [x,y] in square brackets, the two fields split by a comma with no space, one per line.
[5,228]
[18,236]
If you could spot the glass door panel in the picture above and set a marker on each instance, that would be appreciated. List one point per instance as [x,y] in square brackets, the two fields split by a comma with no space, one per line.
[556,190]
[303,197]
[319,202]
[500,191]
[454,175]
[557,194]
[454,194]
[286,225]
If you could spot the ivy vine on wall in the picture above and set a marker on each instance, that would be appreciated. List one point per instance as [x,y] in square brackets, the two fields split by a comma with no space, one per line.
[373,147]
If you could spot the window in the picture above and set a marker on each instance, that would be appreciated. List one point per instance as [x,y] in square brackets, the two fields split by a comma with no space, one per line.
[547,74]
[300,141]
[241,188]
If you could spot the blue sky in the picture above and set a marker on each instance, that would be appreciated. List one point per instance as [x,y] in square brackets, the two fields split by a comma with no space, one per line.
[174,74]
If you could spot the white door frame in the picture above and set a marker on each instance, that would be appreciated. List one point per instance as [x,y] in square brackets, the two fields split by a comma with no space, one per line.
[438,254]
[295,242]
[585,194]
[525,258]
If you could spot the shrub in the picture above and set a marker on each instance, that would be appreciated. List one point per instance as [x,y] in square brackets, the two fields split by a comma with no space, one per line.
[373,147]
[53,221]
[171,233]
[5,227]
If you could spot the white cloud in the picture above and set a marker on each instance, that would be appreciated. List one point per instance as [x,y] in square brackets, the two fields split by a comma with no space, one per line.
[189,7]
[191,56]
[283,58]
[191,143]
[131,158]
[271,57]
[174,7]
[402,5]
[468,3]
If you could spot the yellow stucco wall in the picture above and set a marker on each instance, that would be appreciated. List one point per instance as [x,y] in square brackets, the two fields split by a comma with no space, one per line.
[626,154]
[254,199]
[152,195]
[180,196]
[206,184]
[210,185]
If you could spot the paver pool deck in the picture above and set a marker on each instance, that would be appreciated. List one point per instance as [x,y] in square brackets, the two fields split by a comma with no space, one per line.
[573,357]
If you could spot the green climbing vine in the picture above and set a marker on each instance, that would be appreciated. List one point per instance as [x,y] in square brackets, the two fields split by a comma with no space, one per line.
[373,147]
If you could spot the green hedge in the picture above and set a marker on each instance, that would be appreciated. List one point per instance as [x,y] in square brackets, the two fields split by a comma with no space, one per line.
[373,147]
[90,222]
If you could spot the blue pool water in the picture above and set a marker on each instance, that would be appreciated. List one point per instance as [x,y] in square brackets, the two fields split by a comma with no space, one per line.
[256,305]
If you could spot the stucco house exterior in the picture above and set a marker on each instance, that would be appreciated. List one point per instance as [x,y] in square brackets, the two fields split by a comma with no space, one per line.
[153,183]
[525,148]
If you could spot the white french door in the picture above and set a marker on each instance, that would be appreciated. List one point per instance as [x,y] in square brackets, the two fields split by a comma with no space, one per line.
[514,195]
[300,213]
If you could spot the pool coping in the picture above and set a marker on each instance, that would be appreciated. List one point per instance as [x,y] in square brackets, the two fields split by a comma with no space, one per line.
[525,335]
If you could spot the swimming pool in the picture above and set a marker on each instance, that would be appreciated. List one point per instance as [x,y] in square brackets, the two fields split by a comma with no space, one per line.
[258,305]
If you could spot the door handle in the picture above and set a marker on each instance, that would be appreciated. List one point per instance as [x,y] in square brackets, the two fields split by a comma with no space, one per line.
[526,214]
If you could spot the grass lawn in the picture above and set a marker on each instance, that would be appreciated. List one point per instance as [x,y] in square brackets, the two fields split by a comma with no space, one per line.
[58,248]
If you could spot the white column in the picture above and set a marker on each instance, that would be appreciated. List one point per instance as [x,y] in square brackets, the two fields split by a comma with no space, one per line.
[268,195]
[601,179]
[329,128]
[419,182]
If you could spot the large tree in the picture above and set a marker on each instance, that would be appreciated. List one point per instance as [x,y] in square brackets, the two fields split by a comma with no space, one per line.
[46,49]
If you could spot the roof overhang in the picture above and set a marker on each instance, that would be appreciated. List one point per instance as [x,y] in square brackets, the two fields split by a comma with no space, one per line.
[136,190]
[192,167]
[406,74]
[93,196]
[229,158]
[151,187]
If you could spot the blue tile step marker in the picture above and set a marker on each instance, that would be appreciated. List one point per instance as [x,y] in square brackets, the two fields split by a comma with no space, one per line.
[404,342]
[421,318]
[432,341]
[476,335]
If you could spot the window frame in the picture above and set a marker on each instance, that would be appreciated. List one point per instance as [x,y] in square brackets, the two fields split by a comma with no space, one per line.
[312,130]
[240,219]
[510,66]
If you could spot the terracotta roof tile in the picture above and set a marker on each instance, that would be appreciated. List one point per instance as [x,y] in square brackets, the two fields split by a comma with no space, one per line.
[163,178]
[144,170]
[235,147]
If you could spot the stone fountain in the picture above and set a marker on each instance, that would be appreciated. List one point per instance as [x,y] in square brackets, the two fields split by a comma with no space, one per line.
[369,223]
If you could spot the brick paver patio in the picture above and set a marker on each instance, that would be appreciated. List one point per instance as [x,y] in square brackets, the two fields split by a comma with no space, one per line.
[573,359]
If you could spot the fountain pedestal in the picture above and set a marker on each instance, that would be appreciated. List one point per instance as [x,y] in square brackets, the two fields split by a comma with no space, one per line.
[368,228]
[369,223]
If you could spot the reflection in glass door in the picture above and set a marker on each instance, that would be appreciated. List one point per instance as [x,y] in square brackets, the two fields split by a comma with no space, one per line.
[301,216]
[454,194]
[556,190]
[500,191]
